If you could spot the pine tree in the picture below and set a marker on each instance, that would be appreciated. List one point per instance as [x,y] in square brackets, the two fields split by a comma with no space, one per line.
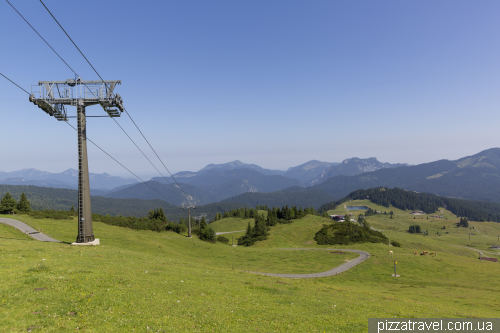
[203,223]
[24,204]
[8,204]
[463,222]
[157,214]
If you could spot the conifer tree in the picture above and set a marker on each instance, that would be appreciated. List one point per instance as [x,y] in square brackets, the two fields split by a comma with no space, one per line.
[8,204]
[24,204]
[203,223]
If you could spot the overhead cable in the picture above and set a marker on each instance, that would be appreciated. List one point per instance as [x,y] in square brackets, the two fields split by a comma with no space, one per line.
[187,197]
[114,159]
[142,152]
[176,188]
[71,40]
[185,194]
[15,83]
[41,37]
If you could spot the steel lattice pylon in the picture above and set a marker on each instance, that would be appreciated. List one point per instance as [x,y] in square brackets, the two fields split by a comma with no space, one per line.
[52,97]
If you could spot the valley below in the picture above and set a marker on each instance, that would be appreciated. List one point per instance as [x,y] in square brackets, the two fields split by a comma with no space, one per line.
[145,280]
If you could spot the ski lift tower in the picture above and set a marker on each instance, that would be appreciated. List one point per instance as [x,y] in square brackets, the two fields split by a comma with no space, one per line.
[188,205]
[52,97]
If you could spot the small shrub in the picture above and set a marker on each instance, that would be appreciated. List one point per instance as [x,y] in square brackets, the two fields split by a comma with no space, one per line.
[223,239]
[176,227]
[346,233]
[207,234]
[396,244]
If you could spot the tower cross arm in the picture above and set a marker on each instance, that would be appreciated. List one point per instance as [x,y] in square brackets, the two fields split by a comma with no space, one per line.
[69,82]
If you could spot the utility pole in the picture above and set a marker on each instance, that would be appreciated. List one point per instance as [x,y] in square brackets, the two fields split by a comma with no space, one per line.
[188,205]
[80,94]
[395,272]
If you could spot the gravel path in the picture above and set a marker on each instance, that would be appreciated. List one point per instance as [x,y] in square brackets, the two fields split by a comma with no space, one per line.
[28,230]
[480,251]
[342,268]
[228,232]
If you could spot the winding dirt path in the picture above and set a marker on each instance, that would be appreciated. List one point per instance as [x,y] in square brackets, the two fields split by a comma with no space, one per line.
[480,251]
[228,232]
[336,270]
[28,230]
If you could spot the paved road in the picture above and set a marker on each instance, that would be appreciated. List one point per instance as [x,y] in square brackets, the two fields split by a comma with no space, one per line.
[228,232]
[342,268]
[480,251]
[28,230]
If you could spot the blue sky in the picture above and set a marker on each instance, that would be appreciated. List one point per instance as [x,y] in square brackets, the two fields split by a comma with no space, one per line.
[274,83]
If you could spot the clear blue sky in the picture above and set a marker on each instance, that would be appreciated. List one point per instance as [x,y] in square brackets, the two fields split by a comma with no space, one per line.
[275,83]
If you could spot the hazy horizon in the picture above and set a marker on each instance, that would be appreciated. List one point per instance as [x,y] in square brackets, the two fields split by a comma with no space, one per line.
[165,173]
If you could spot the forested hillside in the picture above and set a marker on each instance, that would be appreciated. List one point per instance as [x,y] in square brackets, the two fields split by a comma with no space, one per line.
[62,199]
[429,203]
[223,184]
[65,179]
[294,196]
[169,192]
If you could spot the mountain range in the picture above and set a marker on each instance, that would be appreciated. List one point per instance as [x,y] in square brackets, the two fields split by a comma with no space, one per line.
[65,179]
[475,177]
[314,183]
[352,167]
[220,182]
[213,183]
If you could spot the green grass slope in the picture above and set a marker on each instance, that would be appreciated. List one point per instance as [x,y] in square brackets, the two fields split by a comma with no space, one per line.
[142,280]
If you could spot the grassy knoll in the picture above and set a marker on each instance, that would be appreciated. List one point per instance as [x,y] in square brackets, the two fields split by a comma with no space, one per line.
[235,223]
[231,224]
[300,233]
[8,232]
[138,280]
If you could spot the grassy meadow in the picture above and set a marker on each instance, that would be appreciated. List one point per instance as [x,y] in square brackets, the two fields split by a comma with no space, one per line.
[143,281]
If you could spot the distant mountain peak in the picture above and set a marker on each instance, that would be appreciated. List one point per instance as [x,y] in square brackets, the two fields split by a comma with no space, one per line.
[357,159]
[352,166]
[237,164]
[232,164]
